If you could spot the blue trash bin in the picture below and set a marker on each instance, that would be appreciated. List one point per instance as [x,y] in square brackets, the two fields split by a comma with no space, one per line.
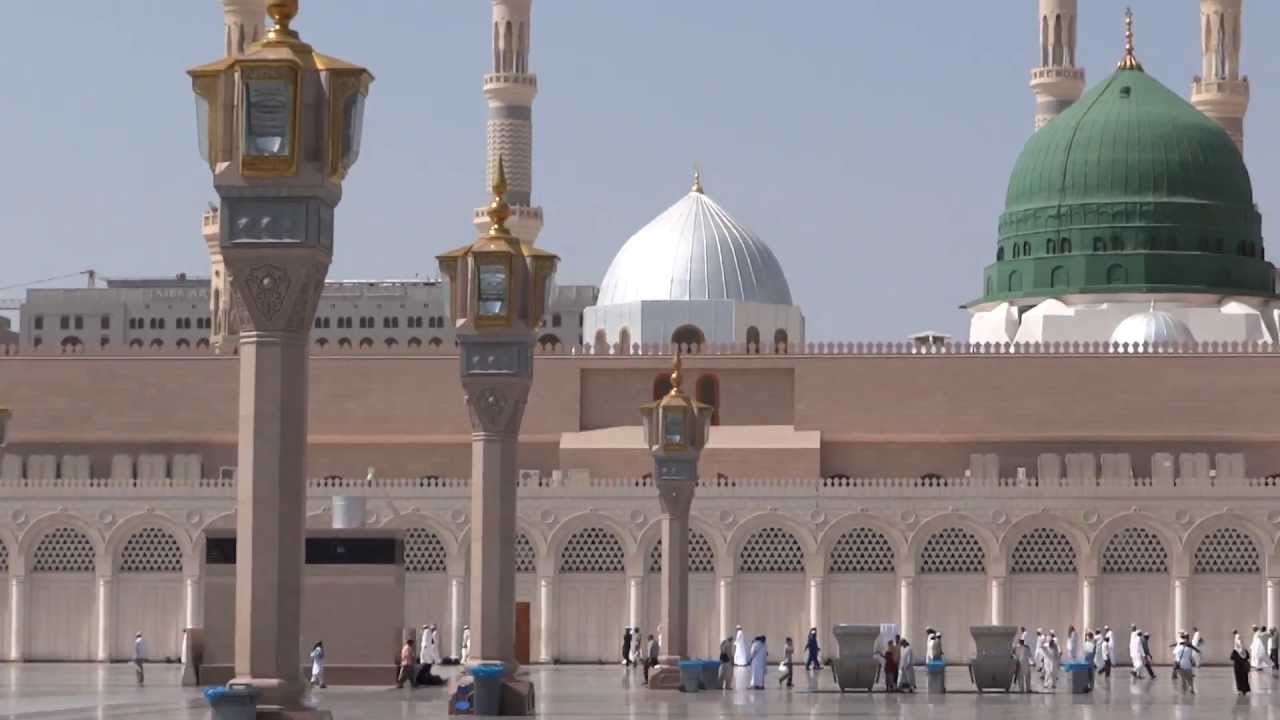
[232,702]
[690,675]
[488,688]
[1079,672]
[937,670]
[710,674]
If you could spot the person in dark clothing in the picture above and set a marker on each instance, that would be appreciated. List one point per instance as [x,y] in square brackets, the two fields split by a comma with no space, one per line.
[1146,655]
[1240,665]
[649,658]
[811,651]
[626,647]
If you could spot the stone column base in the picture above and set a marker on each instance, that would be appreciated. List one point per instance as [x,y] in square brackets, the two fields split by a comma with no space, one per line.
[309,714]
[664,677]
[518,697]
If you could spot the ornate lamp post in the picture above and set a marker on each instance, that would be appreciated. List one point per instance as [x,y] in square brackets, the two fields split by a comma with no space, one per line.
[280,127]
[5,414]
[675,429]
[499,286]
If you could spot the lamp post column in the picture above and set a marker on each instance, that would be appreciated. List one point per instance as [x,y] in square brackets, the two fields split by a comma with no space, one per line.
[676,497]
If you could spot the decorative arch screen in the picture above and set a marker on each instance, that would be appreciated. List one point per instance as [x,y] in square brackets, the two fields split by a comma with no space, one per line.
[771,550]
[1227,551]
[423,551]
[1043,551]
[4,558]
[702,558]
[63,549]
[953,550]
[526,556]
[1135,550]
[151,550]
[861,550]
[592,550]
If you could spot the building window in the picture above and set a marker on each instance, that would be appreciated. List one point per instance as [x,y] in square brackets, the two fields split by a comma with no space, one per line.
[548,341]
[780,341]
[157,343]
[435,342]
[1016,251]
[1117,245]
[321,342]
[79,322]
[1059,277]
[1117,275]
[556,320]
[1064,247]
[753,340]
[999,254]
[392,342]
[688,337]
[1099,245]
[344,343]
[38,322]
[366,343]
[1050,247]
[183,344]
[64,322]
[1026,248]
[708,392]
[317,324]
[105,322]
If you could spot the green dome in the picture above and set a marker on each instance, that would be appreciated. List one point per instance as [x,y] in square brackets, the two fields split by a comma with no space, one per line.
[1130,190]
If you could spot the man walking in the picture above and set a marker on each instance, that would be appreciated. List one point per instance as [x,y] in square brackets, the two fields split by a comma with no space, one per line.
[406,664]
[811,651]
[1184,660]
[650,658]
[139,652]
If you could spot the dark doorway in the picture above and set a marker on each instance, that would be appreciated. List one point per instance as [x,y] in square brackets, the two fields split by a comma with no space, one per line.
[522,632]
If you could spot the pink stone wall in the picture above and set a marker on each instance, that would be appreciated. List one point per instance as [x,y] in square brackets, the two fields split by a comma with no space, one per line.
[877,415]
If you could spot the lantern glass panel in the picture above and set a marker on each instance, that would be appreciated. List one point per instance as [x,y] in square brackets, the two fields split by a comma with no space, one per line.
[493,289]
[268,118]
[352,128]
[673,427]
[202,126]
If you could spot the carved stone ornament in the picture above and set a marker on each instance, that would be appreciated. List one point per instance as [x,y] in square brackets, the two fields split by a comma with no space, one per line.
[268,286]
[271,297]
[493,410]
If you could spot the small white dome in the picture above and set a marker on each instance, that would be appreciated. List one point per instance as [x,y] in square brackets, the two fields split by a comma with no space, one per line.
[695,251]
[1152,327]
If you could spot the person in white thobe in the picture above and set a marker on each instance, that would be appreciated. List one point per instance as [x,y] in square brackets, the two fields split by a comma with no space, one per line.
[466,644]
[317,665]
[1052,655]
[1197,641]
[1136,655]
[1073,645]
[435,645]
[424,646]
[933,649]
[906,667]
[1022,654]
[1258,650]
[1039,652]
[740,650]
[139,653]
[759,659]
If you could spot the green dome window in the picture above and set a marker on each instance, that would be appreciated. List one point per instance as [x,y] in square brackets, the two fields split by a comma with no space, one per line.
[1130,190]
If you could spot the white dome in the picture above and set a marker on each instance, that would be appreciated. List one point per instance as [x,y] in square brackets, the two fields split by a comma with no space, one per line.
[1152,327]
[695,251]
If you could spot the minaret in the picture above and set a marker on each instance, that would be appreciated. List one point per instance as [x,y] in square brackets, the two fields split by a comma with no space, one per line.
[510,88]
[244,20]
[243,24]
[1220,91]
[1056,82]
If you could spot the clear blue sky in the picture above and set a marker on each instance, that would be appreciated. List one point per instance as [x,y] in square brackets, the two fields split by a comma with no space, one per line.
[868,141]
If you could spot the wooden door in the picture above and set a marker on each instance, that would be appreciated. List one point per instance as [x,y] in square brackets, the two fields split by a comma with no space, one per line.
[523,611]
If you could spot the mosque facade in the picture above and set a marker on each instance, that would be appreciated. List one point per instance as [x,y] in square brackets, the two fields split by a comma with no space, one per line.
[1039,475]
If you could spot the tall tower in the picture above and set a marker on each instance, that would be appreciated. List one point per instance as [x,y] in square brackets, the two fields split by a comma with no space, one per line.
[510,88]
[1220,91]
[1056,82]
[243,24]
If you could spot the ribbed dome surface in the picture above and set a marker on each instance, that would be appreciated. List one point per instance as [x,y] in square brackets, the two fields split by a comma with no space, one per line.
[1152,327]
[1129,138]
[695,250]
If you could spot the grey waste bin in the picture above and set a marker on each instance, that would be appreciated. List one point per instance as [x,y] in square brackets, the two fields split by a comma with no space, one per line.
[690,675]
[1079,672]
[232,702]
[710,674]
[488,686]
[937,677]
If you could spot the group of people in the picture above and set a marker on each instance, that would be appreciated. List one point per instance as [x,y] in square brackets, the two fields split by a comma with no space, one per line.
[638,652]
[735,651]
[1262,653]
[899,662]
[414,668]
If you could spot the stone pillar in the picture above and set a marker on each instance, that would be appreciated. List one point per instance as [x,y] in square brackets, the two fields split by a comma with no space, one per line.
[546,618]
[817,593]
[676,497]
[276,292]
[455,615]
[496,373]
[999,588]
[17,618]
[1088,602]
[106,617]
[906,603]
[727,608]
[191,595]
[1179,606]
[635,601]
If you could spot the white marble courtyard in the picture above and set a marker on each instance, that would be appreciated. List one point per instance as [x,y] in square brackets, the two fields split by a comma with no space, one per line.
[108,692]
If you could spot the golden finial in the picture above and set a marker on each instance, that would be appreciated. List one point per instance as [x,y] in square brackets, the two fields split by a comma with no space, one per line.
[499,210]
[676,376]
[697,178]
[282,13]
[1130,61]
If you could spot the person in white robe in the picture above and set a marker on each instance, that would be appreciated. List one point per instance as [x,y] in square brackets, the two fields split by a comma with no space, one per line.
[933,648]
[906,667]
[1197,641]
[1052,656]
[1258,650]
[424,647]
[1102,654]
[1022,654]
[465,655]
[740,648]
[1136,655]
[759,659]
[637,647]
[1039,652]
[1073,645]
[435,644]
[317,665]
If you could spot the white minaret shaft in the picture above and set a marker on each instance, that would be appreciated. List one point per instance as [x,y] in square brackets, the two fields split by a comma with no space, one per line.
[1056,82]
[244,20]
[510,88]
[1220,91]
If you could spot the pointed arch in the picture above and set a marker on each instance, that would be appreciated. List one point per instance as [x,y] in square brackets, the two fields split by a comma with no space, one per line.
[759,521]
[45,524]
[128,527]
[652,533]
[915,544]
[1029,523]
[1133,519]
[838,527]
[587,519]
[1185,563]
[530,531]
[409,522]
